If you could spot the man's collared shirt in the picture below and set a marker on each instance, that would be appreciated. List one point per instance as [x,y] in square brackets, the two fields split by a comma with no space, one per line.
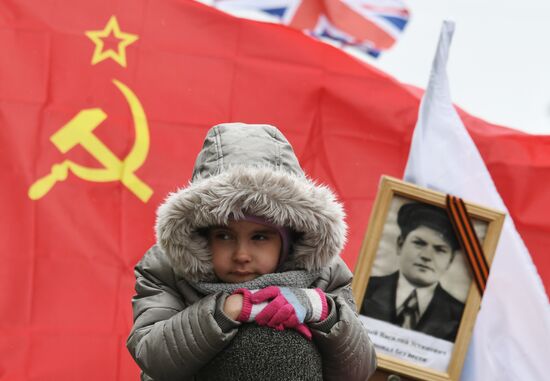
[423,294]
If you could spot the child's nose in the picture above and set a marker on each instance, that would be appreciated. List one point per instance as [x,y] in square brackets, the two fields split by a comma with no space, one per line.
[242,253]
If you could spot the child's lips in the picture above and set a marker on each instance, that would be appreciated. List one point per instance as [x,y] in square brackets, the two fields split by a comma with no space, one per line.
[241,272]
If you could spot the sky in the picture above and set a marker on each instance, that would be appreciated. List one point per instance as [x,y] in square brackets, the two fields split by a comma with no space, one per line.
[499,64]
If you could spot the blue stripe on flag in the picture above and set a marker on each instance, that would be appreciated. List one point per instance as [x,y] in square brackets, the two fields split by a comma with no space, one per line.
[279,12]
[398,22]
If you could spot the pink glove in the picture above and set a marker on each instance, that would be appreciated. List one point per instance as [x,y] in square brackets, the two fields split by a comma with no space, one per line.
[310,305]
[249,310]
[283,307]
[290,307]
[278,313]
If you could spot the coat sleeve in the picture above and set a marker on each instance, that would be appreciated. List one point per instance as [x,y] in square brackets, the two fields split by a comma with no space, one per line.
[173,338]
[348,353]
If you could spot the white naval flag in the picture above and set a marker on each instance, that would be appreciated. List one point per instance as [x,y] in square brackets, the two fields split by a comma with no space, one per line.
[512,331]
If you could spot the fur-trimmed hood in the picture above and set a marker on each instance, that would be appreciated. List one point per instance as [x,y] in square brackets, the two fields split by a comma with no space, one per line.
[249,169]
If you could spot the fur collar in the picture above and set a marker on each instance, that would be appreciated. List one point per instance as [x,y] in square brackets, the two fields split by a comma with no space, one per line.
[285,198]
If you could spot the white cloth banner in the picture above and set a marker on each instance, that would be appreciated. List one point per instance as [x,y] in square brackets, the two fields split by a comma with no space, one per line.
[512,331]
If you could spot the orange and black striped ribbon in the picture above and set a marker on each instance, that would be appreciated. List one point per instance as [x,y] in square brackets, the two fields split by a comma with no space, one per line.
[468,240]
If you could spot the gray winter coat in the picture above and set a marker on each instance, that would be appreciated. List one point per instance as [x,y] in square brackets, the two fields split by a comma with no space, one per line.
[252,170]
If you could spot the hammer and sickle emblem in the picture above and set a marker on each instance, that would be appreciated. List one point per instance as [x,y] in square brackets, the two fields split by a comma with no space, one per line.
[79,131]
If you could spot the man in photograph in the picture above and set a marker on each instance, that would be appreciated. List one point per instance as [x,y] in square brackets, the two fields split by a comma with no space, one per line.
[412,297]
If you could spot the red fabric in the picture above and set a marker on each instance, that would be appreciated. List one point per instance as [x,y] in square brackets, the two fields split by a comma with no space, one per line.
[66,277]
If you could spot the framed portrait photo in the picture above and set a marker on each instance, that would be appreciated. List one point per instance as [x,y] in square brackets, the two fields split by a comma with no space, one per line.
[413,284]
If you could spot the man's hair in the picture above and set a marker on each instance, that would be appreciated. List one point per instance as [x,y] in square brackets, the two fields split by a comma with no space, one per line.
[412,215]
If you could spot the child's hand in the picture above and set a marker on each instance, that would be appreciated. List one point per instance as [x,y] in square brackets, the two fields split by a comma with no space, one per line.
[233,306]
[280,314]
[308,305]
[276,313]
[290,307]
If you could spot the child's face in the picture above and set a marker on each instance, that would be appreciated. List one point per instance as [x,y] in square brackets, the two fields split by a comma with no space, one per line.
[244,250]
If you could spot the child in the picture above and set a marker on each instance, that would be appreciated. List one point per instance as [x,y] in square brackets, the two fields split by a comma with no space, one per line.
[246,281]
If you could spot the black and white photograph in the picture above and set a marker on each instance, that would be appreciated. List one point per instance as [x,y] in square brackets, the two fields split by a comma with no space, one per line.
[420,279]
[414,282]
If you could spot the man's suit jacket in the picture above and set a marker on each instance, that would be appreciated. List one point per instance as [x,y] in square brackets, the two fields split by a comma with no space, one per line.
[441,319]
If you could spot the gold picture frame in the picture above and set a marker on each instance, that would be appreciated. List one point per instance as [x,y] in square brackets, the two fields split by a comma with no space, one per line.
[430,350]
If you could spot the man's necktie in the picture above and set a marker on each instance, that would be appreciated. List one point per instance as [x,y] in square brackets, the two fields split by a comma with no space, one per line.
[408,317]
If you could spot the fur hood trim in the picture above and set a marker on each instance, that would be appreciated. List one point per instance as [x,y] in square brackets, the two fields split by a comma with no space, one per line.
[284,198]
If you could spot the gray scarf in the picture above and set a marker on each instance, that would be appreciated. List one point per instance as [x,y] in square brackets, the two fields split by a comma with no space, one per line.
[261,353]
[296,278]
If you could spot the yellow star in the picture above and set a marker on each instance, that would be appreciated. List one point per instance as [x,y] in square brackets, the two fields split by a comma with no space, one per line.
[118,56]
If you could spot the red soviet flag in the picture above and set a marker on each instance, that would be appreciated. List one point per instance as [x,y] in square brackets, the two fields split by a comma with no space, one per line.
[103,108]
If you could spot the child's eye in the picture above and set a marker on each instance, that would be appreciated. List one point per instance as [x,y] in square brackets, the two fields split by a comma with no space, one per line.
[419,242]
[260,237]
[221,235]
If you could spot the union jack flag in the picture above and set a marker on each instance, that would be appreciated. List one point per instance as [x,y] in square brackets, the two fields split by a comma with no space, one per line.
[372,26]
